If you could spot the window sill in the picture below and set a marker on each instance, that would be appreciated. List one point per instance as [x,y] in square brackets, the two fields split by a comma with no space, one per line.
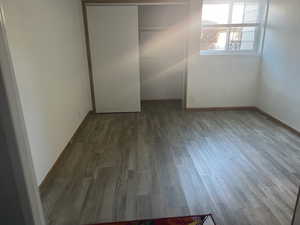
[229,53]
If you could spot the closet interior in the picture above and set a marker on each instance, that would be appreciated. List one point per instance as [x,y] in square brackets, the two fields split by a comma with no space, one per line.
[162,51]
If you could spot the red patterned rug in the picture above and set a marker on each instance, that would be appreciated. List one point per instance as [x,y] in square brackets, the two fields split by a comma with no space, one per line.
[186,220]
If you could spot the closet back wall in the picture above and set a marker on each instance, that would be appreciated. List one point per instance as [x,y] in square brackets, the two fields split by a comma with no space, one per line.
[162,51]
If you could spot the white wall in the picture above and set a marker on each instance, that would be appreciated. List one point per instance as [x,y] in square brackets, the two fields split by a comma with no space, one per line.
[162,52]
[280,78]
[222,81]
[218,81]
[47,45]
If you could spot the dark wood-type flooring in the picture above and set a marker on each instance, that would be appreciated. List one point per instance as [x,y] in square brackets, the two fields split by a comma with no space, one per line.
[167,162]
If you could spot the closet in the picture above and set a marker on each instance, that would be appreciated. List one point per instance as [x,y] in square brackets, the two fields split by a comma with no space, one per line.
[162,46]
[137,52]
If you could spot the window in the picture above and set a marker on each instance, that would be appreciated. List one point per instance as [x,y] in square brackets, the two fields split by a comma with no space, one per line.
[231,25]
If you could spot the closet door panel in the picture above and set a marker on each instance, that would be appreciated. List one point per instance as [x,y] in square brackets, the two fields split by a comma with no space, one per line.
[114,45]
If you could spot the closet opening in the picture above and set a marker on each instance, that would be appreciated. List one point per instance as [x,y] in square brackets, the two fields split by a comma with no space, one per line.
[162,35]
[137,54]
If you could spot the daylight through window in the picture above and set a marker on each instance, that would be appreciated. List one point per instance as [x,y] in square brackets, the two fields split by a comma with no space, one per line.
[231,25]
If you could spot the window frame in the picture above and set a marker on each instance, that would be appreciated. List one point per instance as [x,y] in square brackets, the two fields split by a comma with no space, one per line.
[258,36]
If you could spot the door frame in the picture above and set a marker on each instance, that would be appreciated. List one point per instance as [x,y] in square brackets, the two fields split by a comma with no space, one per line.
[296,210]
[85,3]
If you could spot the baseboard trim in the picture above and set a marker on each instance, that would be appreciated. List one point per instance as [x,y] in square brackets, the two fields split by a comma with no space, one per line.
[281,123]
[245,108]
[51,173]
[234,108]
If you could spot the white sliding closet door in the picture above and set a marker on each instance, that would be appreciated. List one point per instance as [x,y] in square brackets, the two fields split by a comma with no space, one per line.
[114,45]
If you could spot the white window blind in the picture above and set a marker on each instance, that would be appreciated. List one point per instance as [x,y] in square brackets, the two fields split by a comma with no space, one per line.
[232,25]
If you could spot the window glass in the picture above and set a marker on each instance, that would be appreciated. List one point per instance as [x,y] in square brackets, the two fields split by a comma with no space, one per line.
[251,12]
[214,38]
[241,38]
[215,13]
[231,25]
[238,12]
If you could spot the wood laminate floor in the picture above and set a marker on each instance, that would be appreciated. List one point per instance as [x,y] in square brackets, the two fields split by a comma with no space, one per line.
[166,162]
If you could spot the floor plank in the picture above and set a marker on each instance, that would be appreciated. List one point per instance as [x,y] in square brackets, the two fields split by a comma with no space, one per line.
[165,162]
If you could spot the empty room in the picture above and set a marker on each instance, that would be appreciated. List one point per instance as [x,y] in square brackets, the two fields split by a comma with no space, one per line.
[150,112]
